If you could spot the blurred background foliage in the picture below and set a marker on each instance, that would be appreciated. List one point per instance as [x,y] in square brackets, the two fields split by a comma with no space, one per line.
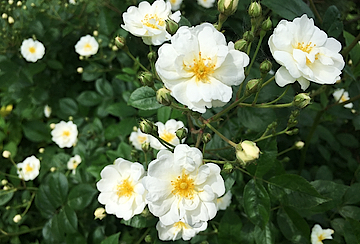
[270,204]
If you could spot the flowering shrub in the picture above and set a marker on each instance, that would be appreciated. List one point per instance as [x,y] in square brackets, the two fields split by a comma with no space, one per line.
[182,121]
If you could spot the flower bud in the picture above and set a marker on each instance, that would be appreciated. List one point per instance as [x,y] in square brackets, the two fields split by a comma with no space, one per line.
[4,16]
[11,2]
[163,96]
[4,182]
[171,26]
[41,150]
[145,147]
[52,169]
[254,10]
[248,36]
[80,70]
[265,67]
[266,24]
[6,110]
[52,126]
[6,154]
[299,145]
[301,100]
[228,168]
[146,126]
[99,213]
[292,122]
[181,133]
[241,45]
[17,218]
[227,7]
[252,86]
[152,56]
[120,42]
[19,3]
[292,132]
[11,20]
[146,78]
[246,152]
[95,33]
[206,137]
[148,239]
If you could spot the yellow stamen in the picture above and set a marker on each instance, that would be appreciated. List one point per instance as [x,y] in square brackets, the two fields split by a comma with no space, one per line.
[179,225]
[343,98]
[167,136]
[141,139]
[32,49]
[306,48]
[153,21]
[28,168]
[201,68]
[66,133]
[125,189]
[183,186]
[87,47]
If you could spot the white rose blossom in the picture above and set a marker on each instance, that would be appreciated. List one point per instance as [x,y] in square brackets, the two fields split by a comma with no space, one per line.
[87,46]
[206,3]
[167,132]
[65,134]
[178,230]
[29,168]
[305,53]
[121,190]
[175,4]
[199,68]
[73,163]
[137,138]
[341,96]
[181,187]
[32,50]
[224,201]
[319,234]
[149,21]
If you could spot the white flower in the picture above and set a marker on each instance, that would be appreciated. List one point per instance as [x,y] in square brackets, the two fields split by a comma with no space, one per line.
[175,4]
[137,138]
[305,53]
[341,95]
[87,46]
[224,202]
[199,67]
[180,186]
[247,151]
[73,163]
[148,21]
[167,132]
[179,230]
[29,168]
[72,2]
[65,134]
[47,111]
[32,50]
[318,234]
[206,3]
[121,190]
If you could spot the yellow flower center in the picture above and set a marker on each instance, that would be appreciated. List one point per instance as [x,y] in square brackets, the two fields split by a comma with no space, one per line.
[141,139]
[173,1]
[125,189]
[306,48]
[183,186]
[179,225]
[28,168]
[153,21]
[87,47]
[201,68]
[167,136]
[343,98]
[321,237]
[66,133]
[32,49]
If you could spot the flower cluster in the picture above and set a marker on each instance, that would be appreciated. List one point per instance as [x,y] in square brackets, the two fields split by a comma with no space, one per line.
[178,188]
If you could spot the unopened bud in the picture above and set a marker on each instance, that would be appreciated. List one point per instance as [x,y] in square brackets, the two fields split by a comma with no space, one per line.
[292,122]
[292,132]
[301,100]
[294,114]
[163,96]
[252,86]
[265,67]
[6,110]
[52,126]
[19,3]
[228,168]
[148,239]
[171,26]
[266,24]
[99,213]
[17,218]
[120,42]
[254,10]
[206,137]
[246,152]
[11,2]
[146,78]
[95,33]
[227,7]
[11,20]
[52,169]
[241,45]
[6,154]
[299,145]
[145,147]
[181,133]
[248,36]
[80,70]
[152,56]
[41,150]
[5,188]
[4,182]
[4,16]
[146,126]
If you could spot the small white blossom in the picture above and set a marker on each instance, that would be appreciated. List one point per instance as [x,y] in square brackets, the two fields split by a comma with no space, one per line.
[206,3]
[224,201]
[148,21]
[305,53]
[181,187]
[247,151]
[341,95]
[121,190]
[137,138]
[167,132]
[87,46]
[47,111]
[175,4]
[178,230]
[318,234]
[99,213]
[17,218]
[65,134]
[29,168]
[32,50]
[72,2]
[73,163]
[199,67]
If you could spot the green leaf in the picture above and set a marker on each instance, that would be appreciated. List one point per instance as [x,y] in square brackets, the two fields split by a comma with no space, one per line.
[352,231]
[293,226]
[67,220]
[256,119]
[113,239]
[89,98]
[139,221]
[294,190]
[267,158]
[290,10]
[121,110]
[355,52]
[112,131]
[92,72]
[332,23]
[5,196]
[256,203]
[163,114]
[81,196]
[54,64]
[58,187]
[104,87]
[45,202]
[229,228]
[350,212]
[356,122]
[36,131]
[352,195]
[68,106]
[348,140]
[265,235]
[144,98]
[52,231]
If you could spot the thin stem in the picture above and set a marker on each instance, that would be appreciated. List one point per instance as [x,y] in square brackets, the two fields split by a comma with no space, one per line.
[262,34]
[220,135]
[143,236]
[268,81]
[20,232]
[281,96]
[284,105]
[287,150]
[218,161]
[346,51]
[29,204]
[231,106]
[135,60]
[272,135]
[315,11]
